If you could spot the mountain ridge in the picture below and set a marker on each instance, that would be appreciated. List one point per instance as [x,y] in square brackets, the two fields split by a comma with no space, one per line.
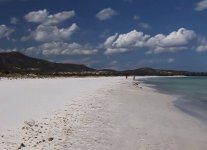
[16,62]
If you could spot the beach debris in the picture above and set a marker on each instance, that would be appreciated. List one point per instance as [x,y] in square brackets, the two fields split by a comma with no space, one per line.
[50,139]
[30,123]
[21,146]
[136,83]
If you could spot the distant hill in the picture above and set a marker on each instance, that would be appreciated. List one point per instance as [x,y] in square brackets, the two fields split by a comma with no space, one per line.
[160,72]
[15,62]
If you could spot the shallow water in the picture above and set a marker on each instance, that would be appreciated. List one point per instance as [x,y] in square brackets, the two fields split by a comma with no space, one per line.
[193,87]
[192,93]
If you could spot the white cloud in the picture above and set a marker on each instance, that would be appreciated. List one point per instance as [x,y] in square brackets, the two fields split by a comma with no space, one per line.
[43,17]
[125,42]
[116,50]
[131,39]
[136,17]
[13,20]
[106,14]
[45,33]
[61,48]
[175,38]
[109,41]
[175,41]
[37,16]
[5,31]
[171,60]
[202,5]
[8,50]
[202,45]
[201,48]
[144,25]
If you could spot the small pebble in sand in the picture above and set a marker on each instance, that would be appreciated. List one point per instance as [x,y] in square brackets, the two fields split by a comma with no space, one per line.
[22,145]
[50,139]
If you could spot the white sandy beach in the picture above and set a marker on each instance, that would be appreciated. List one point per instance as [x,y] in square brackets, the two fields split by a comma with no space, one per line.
[93,114]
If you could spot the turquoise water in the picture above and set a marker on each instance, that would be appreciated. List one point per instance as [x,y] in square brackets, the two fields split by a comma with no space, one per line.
[191,87]
[191,92]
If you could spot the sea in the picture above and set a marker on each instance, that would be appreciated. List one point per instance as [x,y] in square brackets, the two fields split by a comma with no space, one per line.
[191,93]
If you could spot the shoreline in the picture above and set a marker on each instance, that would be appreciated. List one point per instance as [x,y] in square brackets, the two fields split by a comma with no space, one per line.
[186,104]
[114,115]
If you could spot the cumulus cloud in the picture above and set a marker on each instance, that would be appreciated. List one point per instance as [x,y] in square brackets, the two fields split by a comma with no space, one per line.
[45,18]
[106,14]
[112,49]
[202,5]
[45,33]
[175,41]
[13,20]
[109,41]
[5,31]
[202,44]
[131,39]
[61,48]
[125,42]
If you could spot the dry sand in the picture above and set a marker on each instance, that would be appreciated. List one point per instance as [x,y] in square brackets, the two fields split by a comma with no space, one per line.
[93,113]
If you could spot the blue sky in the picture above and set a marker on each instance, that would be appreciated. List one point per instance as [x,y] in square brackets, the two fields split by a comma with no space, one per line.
[115,34]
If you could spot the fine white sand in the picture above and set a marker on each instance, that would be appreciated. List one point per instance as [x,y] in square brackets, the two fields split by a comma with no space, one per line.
[93,113]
